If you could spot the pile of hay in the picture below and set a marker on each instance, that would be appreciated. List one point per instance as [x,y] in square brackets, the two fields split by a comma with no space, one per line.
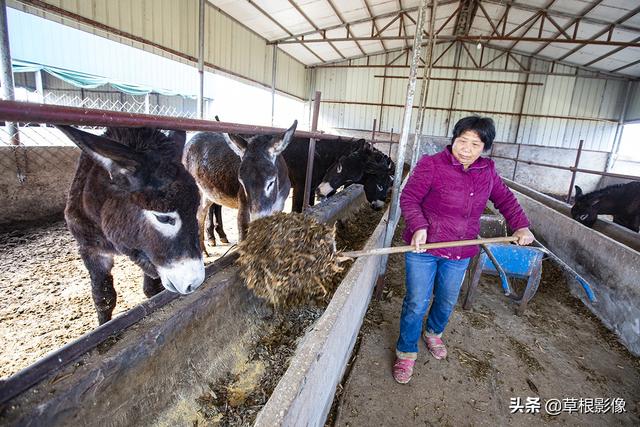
[289,259]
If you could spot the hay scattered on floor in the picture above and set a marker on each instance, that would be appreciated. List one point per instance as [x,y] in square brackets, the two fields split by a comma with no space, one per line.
[289,259]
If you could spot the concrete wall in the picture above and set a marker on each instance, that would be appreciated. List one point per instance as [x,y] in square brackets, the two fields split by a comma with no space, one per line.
[612,269]
[47,171]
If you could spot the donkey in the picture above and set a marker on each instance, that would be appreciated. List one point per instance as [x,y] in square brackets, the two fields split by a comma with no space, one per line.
[621,200]
[245,174]
[326,155]
[373,169]
[131,196]
[366,166]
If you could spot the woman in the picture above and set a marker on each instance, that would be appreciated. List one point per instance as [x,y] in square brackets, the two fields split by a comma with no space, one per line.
[442,201]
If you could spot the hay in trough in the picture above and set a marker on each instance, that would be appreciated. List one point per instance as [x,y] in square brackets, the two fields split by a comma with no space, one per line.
[289,259]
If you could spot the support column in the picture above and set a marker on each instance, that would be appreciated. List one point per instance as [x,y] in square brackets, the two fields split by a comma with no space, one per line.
[200,101]
[616,139]
[273,83]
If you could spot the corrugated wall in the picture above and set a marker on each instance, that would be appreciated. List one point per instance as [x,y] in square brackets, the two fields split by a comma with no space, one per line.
[173,24]
[633,109]
[558,111]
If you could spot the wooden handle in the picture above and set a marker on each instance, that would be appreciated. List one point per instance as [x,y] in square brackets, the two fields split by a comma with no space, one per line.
[436,245]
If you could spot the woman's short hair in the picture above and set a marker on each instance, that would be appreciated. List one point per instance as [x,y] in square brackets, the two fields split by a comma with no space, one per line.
[483,126]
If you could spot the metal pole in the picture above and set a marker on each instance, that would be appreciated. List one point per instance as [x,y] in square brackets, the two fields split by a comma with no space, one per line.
[404,133]
[390,141]
[384,83]
[200,101]
[616,140]
[39,85]
[515,165]
[373,131]
[6,70]
[147,103]
[425,86]
[455,86]
[573,174]
[312,150]
[273,83]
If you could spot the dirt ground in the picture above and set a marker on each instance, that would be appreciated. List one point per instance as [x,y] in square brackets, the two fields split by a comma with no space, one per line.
[556,350]
[46,289]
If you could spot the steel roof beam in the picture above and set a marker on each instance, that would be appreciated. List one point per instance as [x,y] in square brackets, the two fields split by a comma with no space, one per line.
[575,21]
[304,15]
[560,14]
[363,20]
[608,54]
[272,19]
[373,23]
[610,27]
[347,26]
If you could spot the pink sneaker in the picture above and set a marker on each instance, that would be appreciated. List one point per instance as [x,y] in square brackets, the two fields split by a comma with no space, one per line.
[402,370]
[436,346]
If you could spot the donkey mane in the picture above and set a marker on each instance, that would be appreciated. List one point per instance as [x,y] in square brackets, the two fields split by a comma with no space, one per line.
[615,190]
[141,139]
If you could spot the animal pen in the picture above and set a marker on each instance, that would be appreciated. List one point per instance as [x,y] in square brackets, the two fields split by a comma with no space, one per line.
[221,355]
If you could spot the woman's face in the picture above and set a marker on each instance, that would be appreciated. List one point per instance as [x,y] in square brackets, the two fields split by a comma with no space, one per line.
[467,147]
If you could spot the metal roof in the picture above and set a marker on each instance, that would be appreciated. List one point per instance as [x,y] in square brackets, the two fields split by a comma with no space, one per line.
[599,35]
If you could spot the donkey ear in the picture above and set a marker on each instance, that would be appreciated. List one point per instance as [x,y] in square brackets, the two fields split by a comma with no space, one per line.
[578,191]
[115,158]
[237,143]
[279,144]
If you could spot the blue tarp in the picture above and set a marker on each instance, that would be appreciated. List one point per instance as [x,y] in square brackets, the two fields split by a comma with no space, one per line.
[89,81]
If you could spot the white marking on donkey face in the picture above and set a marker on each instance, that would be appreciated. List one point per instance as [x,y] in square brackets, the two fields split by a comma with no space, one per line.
[183,276]
[278,206]
[325,188]
[167,223]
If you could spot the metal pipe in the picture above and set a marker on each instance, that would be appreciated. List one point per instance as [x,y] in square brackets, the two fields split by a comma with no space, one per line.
[6,70]
[312,151]
[425,85]
[520,111]
[447,79]
[571,168]
[575,166]
[200,100]
[515,166]
[616,139]
[273,83]
[384,82]
[488,112]
[455,86]
[404,133]
[373,130]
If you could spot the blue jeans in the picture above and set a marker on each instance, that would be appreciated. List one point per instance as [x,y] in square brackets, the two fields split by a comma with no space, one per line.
[422,271]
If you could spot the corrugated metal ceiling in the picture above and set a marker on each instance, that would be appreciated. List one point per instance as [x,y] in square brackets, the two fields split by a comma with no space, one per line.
[607,31]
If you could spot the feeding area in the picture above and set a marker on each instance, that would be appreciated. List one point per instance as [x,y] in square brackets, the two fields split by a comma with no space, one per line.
[209,214]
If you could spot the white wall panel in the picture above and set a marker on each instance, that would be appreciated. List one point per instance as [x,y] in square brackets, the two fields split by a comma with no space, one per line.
[564,96]
[229,46]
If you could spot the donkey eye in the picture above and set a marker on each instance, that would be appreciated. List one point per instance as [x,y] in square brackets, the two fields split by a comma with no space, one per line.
[379,187]
[166,219]
[584,216]
[270,184]
[339,170]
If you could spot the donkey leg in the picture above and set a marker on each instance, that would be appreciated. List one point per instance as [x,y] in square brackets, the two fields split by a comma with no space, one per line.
[202,214]
[298,197]
[151,286]
[102,290]
[211,223]
[218,223]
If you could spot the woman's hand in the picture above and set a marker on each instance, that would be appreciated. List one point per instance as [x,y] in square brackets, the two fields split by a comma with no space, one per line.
[419,238]
[524,235]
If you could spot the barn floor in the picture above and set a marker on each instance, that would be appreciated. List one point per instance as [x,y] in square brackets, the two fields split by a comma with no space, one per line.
[46,289]
[557,350]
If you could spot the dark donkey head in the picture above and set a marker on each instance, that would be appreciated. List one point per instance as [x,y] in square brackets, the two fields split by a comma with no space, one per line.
[263,174]
[366,166]
[142,200]
[585,208]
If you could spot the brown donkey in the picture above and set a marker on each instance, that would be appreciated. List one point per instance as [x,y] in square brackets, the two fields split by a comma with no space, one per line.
[245,174]
[131,195]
